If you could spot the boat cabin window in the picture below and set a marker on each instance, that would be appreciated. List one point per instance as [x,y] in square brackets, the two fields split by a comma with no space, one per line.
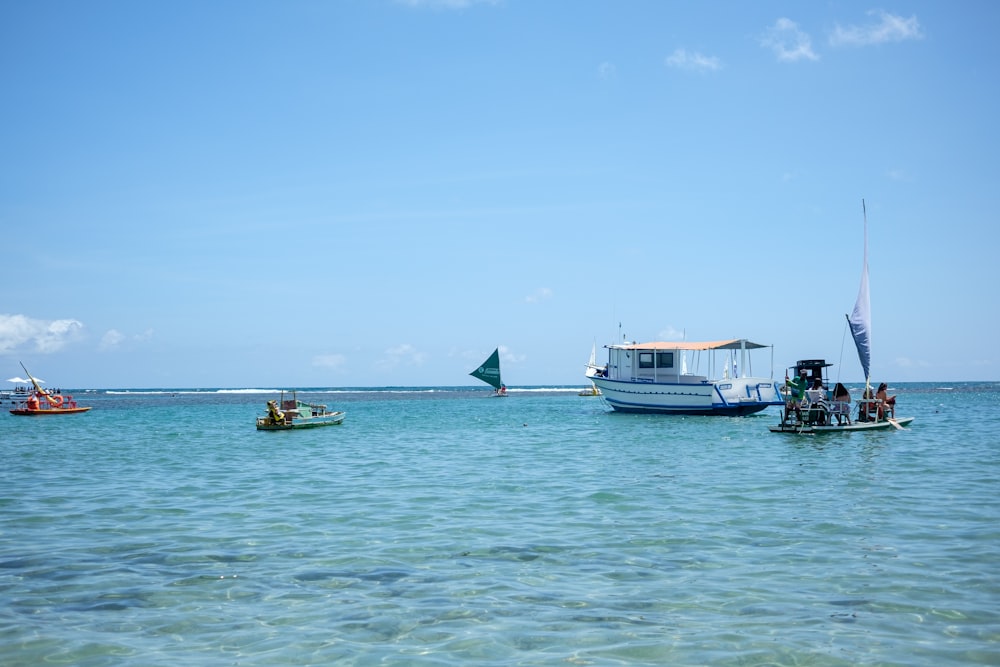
[663,359]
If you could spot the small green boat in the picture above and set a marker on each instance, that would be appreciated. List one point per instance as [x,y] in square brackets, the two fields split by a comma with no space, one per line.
[296,414]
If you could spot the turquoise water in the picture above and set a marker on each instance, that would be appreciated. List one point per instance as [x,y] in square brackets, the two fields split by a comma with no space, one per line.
[444,527]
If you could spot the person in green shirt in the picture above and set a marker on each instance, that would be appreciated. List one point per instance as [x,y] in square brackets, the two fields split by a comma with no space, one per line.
[796,394]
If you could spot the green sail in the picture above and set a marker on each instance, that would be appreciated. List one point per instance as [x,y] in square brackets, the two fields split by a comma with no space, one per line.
[489,372]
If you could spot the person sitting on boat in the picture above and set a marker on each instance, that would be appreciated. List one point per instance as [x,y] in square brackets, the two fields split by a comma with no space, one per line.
[502,391]
[275,416]
[886,404]
[796,394]
[841,407]
[818,406]
[867,408]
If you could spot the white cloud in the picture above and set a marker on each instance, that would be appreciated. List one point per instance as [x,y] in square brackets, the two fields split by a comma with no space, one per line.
[681,59]
[46,335]
[540,294]
[112,338]
[788,42]
[507,355]
[334,361]
[670,333]
[401,355]
[888,28]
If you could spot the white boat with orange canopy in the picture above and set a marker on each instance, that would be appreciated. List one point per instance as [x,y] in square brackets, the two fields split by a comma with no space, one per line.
[40,402]
[654,378]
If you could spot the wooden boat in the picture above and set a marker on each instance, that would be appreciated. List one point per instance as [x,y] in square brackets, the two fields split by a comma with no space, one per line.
[489,372]
[40,402]
[815,411]
[653,378]
[296,414]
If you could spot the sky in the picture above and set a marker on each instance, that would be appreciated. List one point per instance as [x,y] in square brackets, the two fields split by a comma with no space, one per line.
[352,194]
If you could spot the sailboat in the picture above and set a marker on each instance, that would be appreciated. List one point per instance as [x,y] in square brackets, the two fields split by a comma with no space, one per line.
[872,412]
[489,372]
[40,402]
[592,370]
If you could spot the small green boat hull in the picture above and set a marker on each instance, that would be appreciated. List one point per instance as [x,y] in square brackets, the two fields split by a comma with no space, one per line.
[335,419]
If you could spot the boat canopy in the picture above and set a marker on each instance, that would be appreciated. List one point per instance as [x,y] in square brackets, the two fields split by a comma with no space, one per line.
[734,344]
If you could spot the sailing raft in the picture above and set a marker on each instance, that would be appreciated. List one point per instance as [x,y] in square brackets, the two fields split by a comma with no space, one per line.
[489,372]
[810,407]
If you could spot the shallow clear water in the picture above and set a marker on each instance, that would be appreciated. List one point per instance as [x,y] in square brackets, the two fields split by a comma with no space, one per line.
[443,528]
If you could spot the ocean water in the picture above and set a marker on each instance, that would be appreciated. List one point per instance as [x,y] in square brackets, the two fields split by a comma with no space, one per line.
[443,527]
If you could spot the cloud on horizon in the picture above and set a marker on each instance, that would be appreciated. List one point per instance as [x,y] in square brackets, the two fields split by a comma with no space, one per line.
[47,336]
[113,338]
[400,355]
[693,61]
[670,333]
[788,42]
[540,294]
[334,361]
[888,28]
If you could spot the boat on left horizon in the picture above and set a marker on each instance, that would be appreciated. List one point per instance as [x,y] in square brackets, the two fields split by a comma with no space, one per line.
[296,414]
[40,402]
[19,393]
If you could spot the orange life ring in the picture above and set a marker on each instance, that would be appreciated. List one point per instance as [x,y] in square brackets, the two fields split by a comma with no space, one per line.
[56,400]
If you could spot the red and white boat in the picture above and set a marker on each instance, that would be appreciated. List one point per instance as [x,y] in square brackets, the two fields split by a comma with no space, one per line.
[40,402]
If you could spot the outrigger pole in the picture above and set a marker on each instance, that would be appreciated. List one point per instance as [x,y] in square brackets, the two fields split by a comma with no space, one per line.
[33,381]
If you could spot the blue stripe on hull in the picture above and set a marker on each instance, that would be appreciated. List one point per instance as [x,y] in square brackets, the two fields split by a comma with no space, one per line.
[715,410]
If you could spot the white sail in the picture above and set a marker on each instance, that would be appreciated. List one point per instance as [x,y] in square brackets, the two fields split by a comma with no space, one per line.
[592,364]
[861,318]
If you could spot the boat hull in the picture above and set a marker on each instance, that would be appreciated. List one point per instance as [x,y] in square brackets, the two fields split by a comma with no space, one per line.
[28,412]
[734,398]
[791,427]
[335,419]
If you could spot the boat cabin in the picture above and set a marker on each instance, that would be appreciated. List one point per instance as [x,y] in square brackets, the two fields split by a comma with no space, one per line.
[667,362]
[814,368]
[649,362]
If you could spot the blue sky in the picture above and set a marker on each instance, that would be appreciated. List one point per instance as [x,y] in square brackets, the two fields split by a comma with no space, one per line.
[268,194]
